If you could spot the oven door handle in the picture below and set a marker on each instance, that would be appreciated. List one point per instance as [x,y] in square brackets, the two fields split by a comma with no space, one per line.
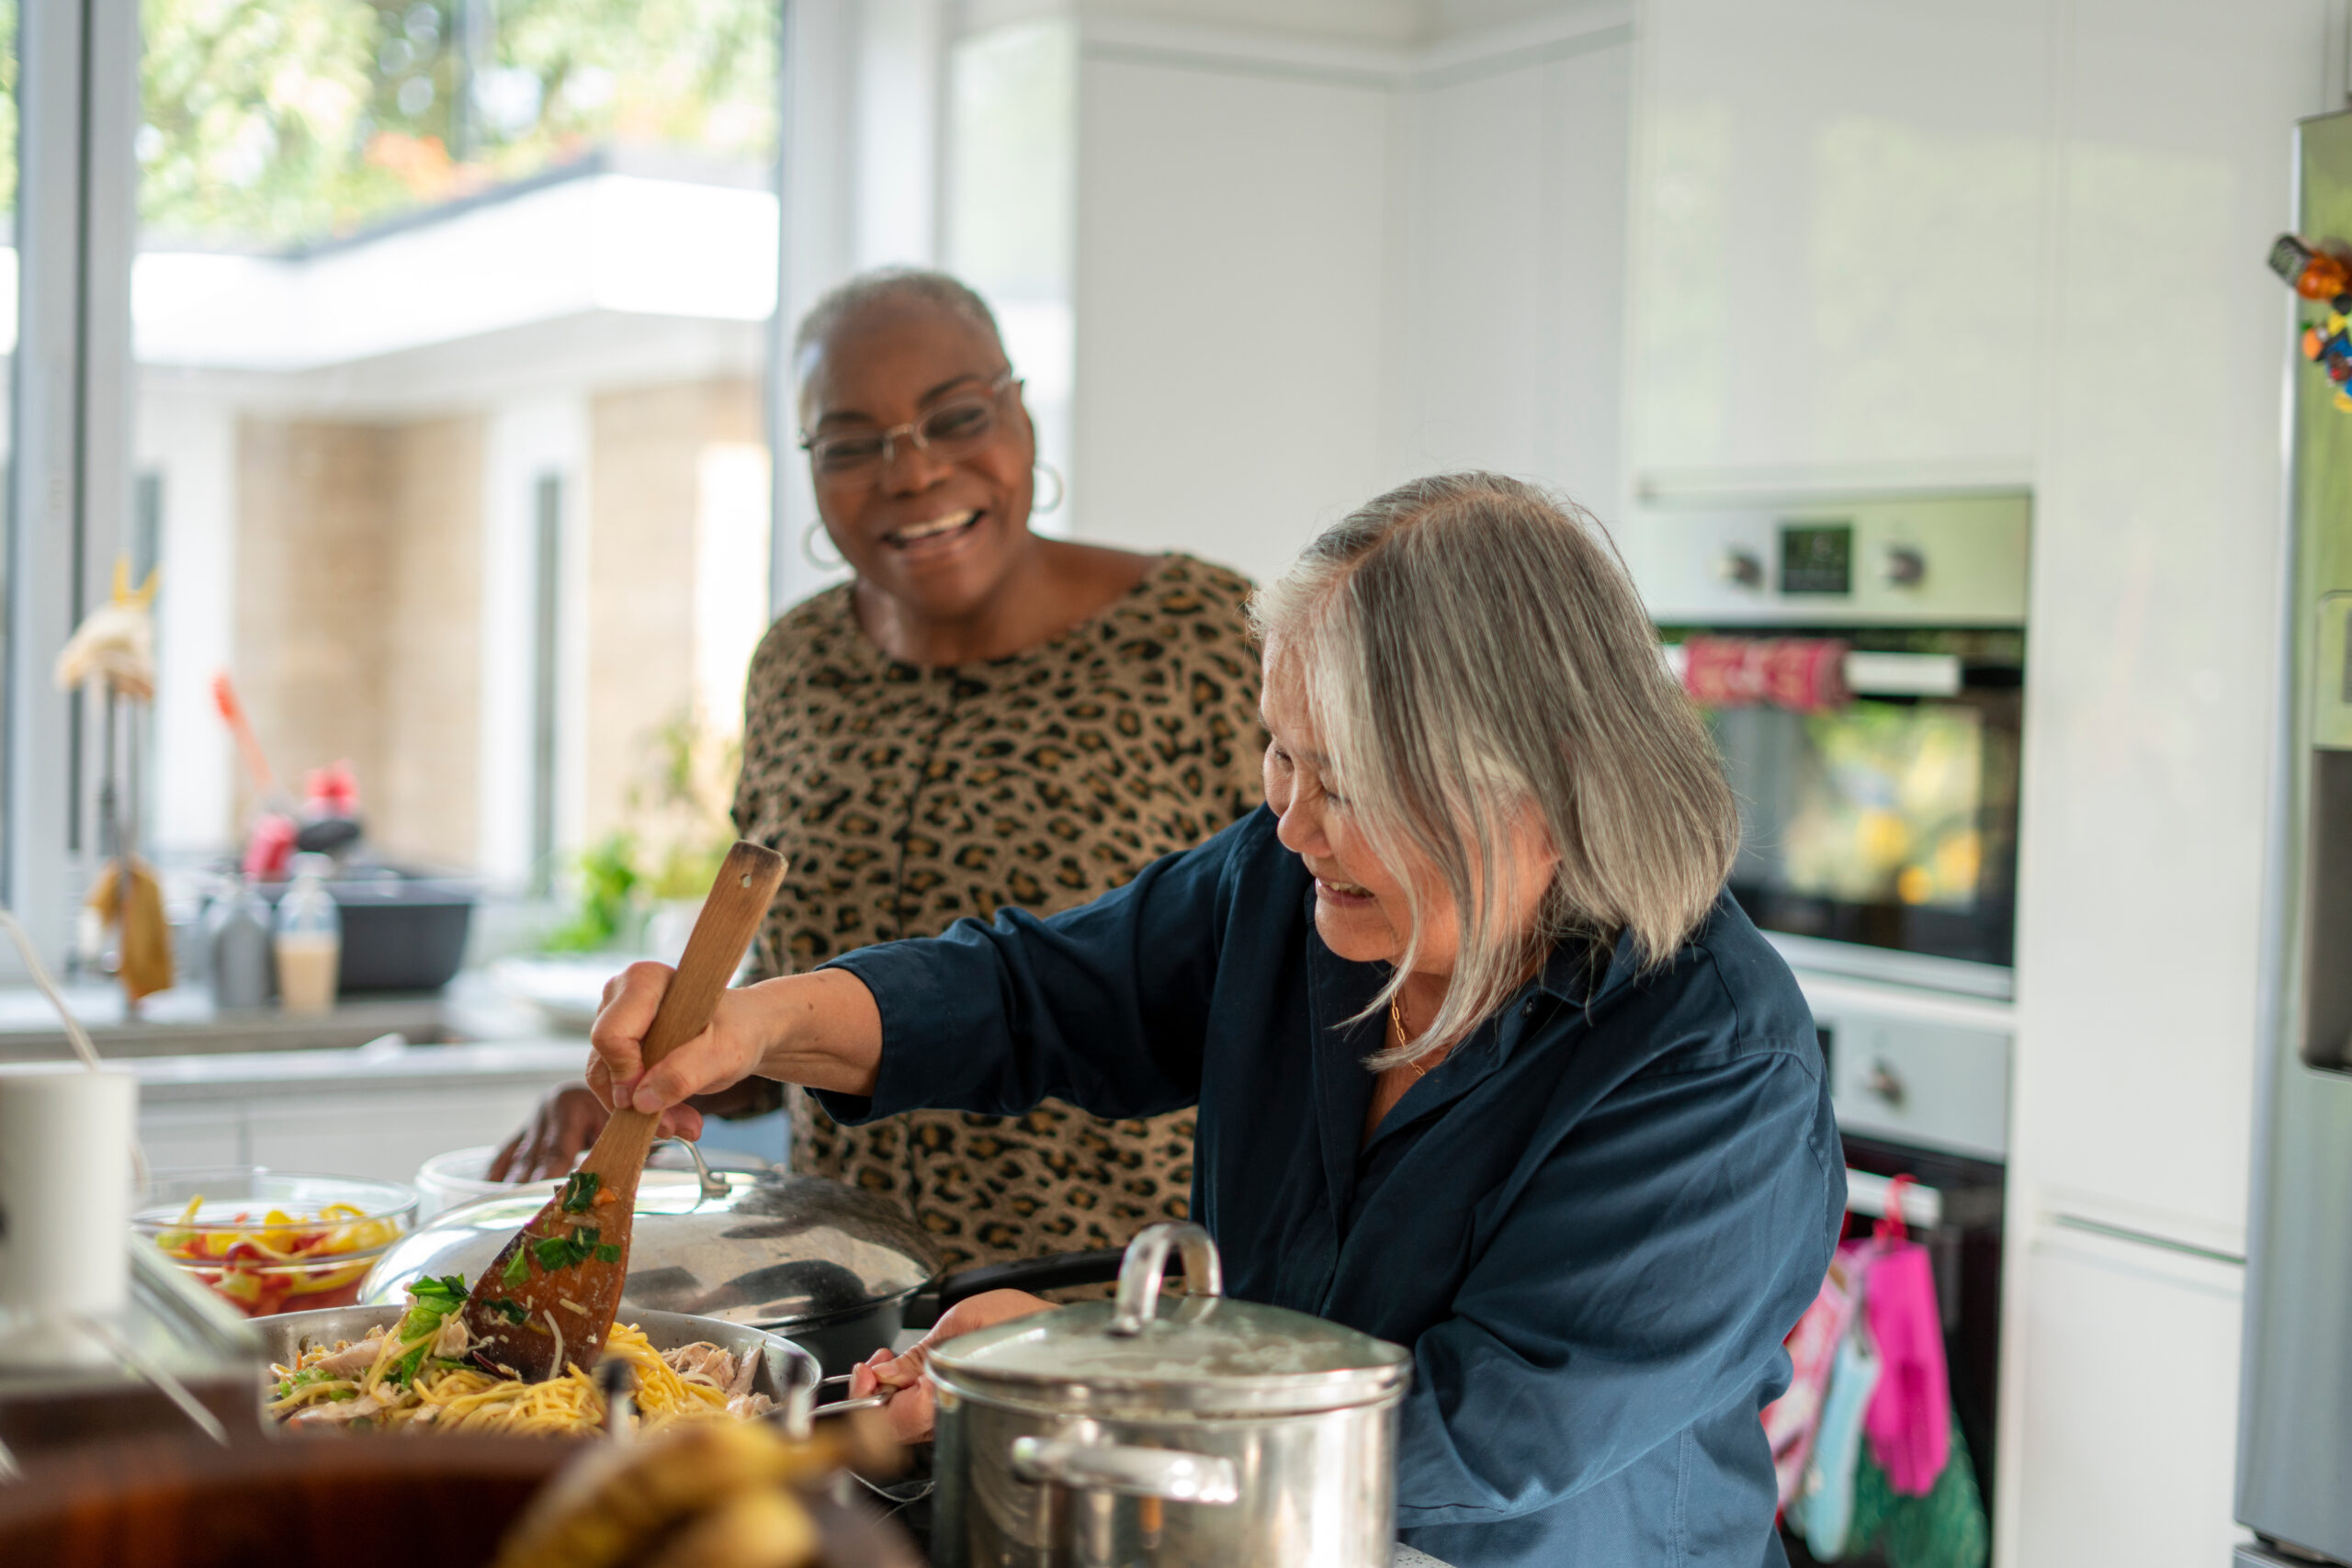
[1923,1207]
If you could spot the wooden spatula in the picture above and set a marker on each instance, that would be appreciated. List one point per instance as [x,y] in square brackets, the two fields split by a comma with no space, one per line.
[550,1296]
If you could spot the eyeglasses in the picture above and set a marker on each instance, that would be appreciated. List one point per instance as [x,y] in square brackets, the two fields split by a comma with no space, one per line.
[955,428]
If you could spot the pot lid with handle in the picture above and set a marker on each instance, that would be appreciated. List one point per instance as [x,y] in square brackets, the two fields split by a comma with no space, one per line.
[764,1248]
[1205,1355]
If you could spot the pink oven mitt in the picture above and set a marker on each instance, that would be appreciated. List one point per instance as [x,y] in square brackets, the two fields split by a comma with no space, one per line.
[1910,1421]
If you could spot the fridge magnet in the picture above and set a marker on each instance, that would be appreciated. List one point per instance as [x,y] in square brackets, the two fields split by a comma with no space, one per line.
[2320,276]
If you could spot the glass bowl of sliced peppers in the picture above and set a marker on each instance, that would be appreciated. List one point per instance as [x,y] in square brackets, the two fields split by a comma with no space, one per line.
[272,1241]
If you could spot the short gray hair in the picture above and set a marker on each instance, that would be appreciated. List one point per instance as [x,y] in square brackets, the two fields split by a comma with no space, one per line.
[891,283]
[1473,647]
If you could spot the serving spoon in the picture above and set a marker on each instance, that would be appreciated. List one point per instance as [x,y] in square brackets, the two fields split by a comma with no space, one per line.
[550,1295]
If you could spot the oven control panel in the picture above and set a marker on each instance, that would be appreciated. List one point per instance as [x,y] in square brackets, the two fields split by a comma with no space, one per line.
[1884,560]
[1931,1085]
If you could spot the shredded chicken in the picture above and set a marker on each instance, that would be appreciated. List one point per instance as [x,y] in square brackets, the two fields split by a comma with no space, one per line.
[705,1363]
[341,1412]
[451,1341]
[352,1360]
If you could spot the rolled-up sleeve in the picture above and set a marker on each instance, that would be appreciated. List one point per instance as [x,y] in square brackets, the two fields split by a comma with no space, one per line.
[1104,1006]
[1641,1277]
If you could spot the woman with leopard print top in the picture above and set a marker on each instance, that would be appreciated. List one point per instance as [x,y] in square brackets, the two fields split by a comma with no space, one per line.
[982,718]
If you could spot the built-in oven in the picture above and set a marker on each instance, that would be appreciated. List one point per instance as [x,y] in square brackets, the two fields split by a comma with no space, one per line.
[1861,665]
[1860,662]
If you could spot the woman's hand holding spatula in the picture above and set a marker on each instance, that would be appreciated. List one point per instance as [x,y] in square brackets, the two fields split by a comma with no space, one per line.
[555,1287]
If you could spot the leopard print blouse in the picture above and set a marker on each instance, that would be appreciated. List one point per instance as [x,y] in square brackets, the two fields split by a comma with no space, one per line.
[907,798]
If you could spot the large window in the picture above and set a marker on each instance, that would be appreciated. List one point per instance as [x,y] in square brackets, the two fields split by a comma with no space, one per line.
[451,323]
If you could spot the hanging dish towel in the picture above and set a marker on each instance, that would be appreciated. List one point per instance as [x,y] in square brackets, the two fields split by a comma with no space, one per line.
[1946,1529]
[1791,1420]
[1824,1504]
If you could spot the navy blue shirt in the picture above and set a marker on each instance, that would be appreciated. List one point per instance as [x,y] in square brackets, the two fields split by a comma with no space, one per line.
[1593,1223]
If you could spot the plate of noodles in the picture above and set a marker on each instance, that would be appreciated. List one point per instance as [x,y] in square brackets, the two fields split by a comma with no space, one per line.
[404,1369]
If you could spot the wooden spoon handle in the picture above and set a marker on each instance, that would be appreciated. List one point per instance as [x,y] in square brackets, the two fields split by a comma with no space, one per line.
[739,896]
[739,900]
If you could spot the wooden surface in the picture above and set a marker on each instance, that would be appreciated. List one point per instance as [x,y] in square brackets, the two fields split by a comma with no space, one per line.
[572,1308]
[341,1500]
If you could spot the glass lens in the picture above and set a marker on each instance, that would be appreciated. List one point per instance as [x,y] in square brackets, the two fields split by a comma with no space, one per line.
[959,426]
[845,454]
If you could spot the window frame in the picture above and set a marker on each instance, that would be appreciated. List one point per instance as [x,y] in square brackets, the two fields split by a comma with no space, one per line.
[69,477]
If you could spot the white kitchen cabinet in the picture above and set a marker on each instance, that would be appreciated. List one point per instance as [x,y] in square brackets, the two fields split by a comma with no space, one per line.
[2124,1378]
[1839,217]
[1892,245]
[192,1137]
[1514,256]
[364,1113]
[385,1135]
[1233,231]
[2151,656]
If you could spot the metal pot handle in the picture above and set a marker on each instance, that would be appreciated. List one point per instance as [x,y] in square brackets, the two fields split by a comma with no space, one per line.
[1169,1475]
[713,1185]
[1147,1265]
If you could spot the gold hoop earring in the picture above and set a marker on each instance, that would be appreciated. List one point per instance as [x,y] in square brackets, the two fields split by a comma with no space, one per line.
[808,538]
[1060,490]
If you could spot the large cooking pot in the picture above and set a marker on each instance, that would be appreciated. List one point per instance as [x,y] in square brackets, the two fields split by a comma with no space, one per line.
[784,1372]
[1207,1432]
[835,1270]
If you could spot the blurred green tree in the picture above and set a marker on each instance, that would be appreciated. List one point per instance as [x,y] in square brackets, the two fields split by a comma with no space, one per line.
[7,105]
[278,123]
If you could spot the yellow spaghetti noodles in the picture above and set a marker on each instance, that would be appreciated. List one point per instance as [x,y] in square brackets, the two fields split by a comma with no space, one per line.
[441,1396]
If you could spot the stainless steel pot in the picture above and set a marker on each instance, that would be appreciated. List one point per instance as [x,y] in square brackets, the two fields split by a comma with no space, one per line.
[1214,1432]
[786,1373]
[837,1271]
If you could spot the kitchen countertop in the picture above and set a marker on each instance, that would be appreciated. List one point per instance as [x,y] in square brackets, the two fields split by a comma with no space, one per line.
[526,1062]
[183,1022]
[176,1021]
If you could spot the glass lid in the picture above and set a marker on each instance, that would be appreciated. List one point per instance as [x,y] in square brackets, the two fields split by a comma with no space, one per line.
[1205,1354]
[763,1248]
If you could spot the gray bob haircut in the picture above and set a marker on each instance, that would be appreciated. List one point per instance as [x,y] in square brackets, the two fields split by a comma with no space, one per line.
[890,282]
[1471,651]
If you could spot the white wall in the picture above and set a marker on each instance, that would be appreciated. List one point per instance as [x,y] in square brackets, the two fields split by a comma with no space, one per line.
[1010,214]
[1309,271]
[190,439]
[1514,248]
[525,439]
[1233,285]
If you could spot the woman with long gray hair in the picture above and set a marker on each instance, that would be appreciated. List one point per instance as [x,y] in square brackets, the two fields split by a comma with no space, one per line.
[1486,1062]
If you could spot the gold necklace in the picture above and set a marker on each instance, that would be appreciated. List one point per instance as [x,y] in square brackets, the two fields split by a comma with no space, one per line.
[1397,1022]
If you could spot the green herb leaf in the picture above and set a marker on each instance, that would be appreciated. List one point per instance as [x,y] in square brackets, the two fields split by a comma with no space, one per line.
[449,1289]
[580,1192]
[608,1253]
[518,1267]
[304,1378]
[403,1371]
[553,1252]
[511,1311]
[430,1301]
[586,1235]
